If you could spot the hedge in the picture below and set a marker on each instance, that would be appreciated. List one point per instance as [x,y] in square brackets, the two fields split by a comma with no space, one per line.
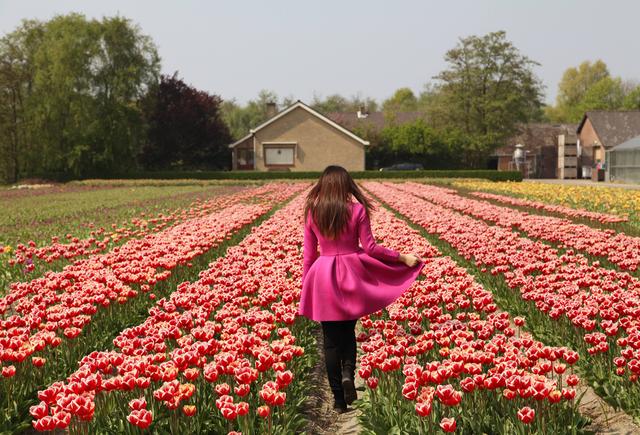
[486,174]
[256,175]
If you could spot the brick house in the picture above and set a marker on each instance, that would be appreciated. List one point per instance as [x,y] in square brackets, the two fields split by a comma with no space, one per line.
[600,130]
[298,138]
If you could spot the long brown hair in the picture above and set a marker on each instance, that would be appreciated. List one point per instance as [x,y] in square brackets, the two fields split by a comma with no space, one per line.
[328,201]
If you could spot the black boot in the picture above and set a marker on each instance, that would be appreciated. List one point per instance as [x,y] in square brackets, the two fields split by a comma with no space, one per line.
[348,385]
[339,404]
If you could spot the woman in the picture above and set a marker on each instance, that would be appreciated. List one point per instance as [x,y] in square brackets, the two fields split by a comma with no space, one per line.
[346,282]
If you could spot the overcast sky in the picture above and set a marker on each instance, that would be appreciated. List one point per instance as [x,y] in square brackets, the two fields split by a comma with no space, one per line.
[300,48]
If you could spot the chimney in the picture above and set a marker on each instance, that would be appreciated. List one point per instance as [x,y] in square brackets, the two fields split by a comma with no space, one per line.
[271,109]
[362,112]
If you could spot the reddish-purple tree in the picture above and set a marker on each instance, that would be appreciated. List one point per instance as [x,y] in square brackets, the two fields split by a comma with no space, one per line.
[185,129]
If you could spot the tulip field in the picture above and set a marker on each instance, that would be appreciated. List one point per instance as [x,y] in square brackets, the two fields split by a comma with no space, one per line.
[617,204]
[186,321]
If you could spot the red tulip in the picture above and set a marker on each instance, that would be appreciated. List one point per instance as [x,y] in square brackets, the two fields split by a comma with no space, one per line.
[372,382]
[423,409]
[572,380]
[141,418]
[39,411]
[8,371]
[263,411]
[138,404]
[526,415]
[448,424]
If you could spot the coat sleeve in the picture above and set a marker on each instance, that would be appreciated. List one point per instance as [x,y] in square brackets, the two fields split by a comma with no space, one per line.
[309,248]
[368,242]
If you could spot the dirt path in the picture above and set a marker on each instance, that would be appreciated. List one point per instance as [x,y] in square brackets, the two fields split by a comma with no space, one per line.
[323,419]
[604,419]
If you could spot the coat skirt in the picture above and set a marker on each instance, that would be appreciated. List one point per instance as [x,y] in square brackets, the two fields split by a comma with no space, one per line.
[347,281]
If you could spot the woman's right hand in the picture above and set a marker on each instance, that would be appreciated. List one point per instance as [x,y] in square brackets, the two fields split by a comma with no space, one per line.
[410,259]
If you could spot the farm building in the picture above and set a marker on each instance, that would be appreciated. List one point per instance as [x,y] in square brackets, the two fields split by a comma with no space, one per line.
[538,149]
[600,131]
[538,155]
[298,138]
[624,161]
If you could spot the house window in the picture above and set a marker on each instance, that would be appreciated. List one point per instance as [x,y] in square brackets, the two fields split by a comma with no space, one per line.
[279,154]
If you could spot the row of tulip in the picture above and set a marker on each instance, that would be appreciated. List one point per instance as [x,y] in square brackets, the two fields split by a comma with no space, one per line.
[443,351]
[598,308]
[52,321]
[603,218]
[62,303]
[619,248]
[218,355]
[609,200]
[100,240]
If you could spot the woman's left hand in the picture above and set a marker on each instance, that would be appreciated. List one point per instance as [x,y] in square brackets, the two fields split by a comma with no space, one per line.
[410,259]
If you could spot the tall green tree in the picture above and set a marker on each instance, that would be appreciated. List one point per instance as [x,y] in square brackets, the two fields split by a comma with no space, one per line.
[632,99]
[80,83]
[488,88]
[17,50]
[591,87]
[332,103]
[418,142]
[403,100]
[574,87]
[576,82]
[605,94]
[240,118]
[428,98]
[339,103]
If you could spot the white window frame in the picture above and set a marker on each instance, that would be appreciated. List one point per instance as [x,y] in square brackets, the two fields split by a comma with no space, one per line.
[279,144]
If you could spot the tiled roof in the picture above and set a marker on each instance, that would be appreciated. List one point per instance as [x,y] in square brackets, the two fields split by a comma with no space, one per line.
[613,127]
[535,136]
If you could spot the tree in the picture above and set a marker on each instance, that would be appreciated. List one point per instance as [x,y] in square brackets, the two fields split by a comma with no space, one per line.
[17,50]
[487,90]
[574,87]
[428,98]
[576,82]
[418,142]
[75,84]
[339,103]
[240,119]
[185,128]
[333,103]
[605,94]
[125,66]
[632,99]
[403,100]
[591,87]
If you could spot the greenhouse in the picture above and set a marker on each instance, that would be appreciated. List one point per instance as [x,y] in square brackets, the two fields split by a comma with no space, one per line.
[624,161]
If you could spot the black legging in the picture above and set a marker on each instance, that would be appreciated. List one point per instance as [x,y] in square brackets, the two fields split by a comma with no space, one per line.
[339,352]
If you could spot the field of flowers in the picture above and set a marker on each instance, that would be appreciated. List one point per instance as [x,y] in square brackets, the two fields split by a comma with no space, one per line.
[566,297]
[621,203]
[79,220]
[444,350]
[50,322]
[186,321]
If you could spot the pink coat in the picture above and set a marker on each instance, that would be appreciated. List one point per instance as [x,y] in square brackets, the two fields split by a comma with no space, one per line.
[347,281]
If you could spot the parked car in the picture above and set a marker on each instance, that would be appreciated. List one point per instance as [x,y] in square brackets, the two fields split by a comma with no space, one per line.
[404,167]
